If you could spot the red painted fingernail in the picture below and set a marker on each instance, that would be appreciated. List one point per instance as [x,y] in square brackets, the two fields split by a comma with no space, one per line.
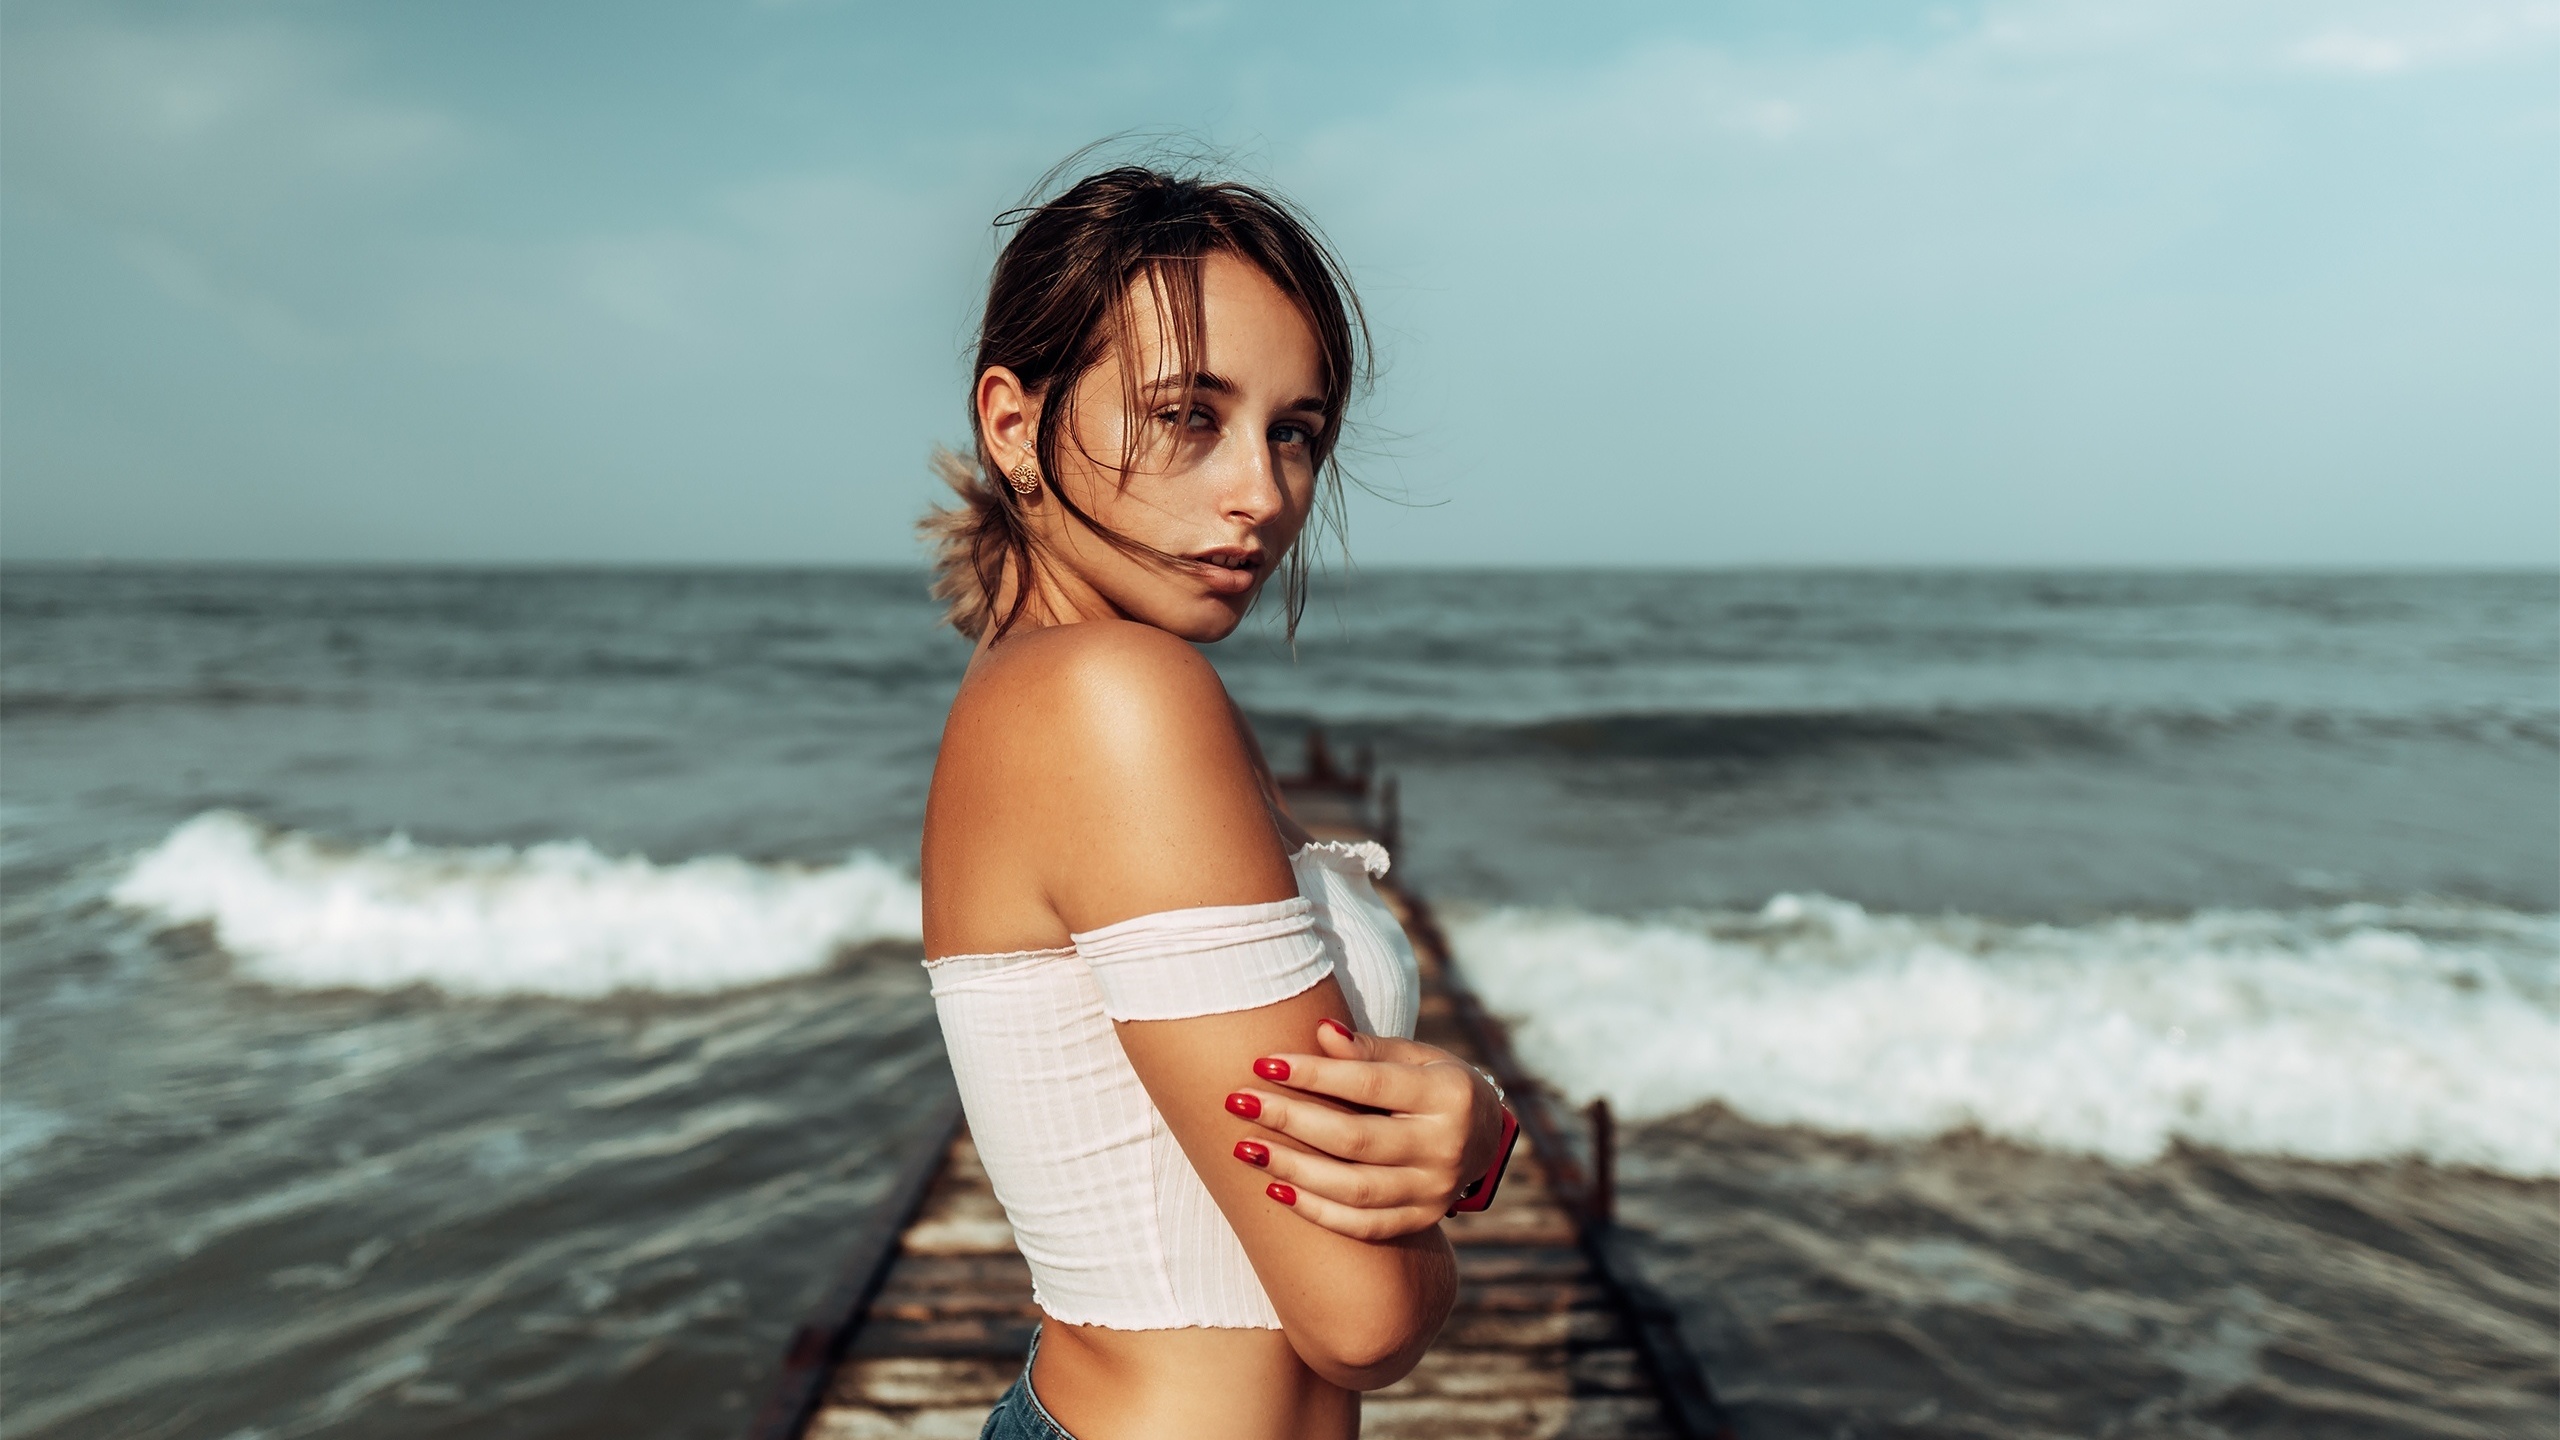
[1253,1154]
[1281,1193]
[1270,1068]
[1248,1106]
[1336,1026]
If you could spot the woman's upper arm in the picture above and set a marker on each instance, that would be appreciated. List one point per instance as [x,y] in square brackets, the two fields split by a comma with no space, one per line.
[1162,809]
[1147,797]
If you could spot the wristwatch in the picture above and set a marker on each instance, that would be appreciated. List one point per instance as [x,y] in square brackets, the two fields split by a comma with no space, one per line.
[1479,1192]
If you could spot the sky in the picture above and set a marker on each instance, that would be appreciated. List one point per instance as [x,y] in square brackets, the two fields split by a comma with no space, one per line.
[2030,282]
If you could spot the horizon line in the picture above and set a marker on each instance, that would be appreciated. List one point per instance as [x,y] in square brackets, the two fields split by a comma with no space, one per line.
[2120,567]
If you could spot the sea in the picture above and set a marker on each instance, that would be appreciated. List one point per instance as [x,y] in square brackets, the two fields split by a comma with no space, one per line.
[450,1002]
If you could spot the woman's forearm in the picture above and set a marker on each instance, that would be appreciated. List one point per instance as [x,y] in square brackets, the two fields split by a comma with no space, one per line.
[1359,1312]
[1371,1332]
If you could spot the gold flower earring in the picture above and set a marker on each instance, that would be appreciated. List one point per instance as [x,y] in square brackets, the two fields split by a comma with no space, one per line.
[1025,477]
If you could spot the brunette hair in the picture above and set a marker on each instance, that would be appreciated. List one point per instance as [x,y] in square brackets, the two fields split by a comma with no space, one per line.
[1060,300]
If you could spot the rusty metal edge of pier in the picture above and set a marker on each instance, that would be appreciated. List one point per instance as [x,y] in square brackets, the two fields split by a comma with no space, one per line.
[821,1337]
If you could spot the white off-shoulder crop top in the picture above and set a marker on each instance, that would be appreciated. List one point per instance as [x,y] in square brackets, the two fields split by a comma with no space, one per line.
[1119,1230]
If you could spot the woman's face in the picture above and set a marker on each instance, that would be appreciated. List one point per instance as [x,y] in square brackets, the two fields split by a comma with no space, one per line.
[1224,485]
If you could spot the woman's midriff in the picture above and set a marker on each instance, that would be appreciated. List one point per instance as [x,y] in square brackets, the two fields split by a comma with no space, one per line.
[1181,1384]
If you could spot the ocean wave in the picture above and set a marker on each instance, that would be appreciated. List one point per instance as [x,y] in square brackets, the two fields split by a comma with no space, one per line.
[564,919]
[24,703]
[25,1129]
[2357,1033]
[1755,737]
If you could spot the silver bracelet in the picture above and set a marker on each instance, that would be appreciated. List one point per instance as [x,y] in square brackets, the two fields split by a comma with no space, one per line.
[1499,1095]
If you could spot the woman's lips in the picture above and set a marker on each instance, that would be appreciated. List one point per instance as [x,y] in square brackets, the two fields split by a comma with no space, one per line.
[1225,578]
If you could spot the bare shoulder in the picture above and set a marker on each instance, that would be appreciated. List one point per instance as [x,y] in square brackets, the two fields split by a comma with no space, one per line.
[1101,673]
[1109,749]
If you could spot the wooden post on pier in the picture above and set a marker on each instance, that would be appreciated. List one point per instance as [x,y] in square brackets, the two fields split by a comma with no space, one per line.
[1604,1163]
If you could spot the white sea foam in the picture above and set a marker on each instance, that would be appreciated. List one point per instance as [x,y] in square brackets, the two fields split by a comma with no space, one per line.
[2358,1033]
[553,919]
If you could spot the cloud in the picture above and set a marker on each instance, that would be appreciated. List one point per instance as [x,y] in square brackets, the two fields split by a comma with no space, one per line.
[1900,173]
[2436,37]
[181,275]
[1772,119]
[2352,51]
[234,165]
[2053,141]
[2072,260]
[2202,37]
[797,263]
[1199,14]
[214,125]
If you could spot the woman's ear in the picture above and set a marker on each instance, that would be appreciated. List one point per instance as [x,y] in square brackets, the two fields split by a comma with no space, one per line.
[1007,415]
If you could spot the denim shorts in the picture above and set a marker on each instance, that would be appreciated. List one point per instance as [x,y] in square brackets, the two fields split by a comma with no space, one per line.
[1019,1415]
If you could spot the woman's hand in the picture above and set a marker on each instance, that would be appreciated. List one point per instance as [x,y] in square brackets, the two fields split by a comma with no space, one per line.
[1426,1124]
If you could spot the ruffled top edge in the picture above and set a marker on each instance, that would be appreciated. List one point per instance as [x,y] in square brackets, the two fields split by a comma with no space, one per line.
[1370,855]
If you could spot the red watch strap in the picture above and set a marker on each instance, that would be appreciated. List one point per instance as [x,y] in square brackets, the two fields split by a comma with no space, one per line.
[1480,1194]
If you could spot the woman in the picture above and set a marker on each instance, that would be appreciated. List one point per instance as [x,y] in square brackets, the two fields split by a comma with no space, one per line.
[1176,1019]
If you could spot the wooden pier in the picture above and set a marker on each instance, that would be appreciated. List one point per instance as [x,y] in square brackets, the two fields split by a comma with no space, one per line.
[1554,1335]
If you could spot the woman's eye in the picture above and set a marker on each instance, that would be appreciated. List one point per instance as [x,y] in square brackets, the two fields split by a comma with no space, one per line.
[1198,419]
[1291,434]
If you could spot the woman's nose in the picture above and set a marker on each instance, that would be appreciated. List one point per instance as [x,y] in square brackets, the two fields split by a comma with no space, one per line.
[1255,492]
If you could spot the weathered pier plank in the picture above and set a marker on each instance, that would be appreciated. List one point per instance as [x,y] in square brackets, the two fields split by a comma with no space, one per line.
[1553,1337]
